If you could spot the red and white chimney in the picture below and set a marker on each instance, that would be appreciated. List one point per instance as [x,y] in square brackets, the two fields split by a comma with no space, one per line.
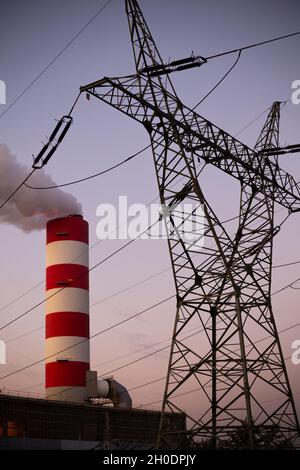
[67,309]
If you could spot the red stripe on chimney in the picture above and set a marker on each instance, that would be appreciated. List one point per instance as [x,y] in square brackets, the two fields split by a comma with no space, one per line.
[67,275]
[66,374]
[67,324]
[68,228]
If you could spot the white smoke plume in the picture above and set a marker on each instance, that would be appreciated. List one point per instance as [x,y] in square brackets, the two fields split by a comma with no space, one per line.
[30,209]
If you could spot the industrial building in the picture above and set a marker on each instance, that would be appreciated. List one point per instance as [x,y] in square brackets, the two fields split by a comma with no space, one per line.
[30,423]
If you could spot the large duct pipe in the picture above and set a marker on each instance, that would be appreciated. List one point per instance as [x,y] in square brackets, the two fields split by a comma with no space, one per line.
[116,392]
[122,397]
[67,309]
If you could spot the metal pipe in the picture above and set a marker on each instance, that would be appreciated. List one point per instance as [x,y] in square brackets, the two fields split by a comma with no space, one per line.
[116,392]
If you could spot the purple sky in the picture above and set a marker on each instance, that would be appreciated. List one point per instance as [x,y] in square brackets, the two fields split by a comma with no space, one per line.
[31,34]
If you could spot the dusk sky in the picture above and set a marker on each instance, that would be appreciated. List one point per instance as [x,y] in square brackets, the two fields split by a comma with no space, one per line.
[32,33]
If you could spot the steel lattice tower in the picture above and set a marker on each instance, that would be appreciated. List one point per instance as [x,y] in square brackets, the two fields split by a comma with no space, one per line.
[233,358]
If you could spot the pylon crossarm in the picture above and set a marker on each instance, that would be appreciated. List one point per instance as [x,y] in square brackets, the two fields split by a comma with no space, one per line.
[200,138]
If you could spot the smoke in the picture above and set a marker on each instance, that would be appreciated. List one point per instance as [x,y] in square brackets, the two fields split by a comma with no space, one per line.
[30,209]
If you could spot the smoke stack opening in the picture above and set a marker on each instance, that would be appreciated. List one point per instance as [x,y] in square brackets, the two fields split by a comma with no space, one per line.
[76,215]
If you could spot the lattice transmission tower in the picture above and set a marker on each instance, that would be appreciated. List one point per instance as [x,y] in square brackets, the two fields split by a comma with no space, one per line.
[233,359]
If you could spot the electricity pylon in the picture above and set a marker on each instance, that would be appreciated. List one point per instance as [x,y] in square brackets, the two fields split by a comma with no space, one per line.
[223,287]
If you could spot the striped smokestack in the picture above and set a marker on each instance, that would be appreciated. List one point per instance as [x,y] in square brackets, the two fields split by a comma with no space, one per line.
[67,312]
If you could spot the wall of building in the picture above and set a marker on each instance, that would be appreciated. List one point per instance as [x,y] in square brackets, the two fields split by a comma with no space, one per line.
[28,418]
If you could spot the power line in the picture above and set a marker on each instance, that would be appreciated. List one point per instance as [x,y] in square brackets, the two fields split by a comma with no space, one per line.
[126,289]
[128,390]
[117,293]
[187,337]
[37,285]
[289,328]
[145,384]
[15,338]
[143,357]
[40,283]
[168,339]
[44,162]
[166,347]
[162,349]
[74,182]
[134,352]
[81,180]
[116,358]
[268,41]
[198,61]
[188,392]
[104,331]
[191,391]
[219,82]
[153,352]
[123,366]
[286,287]
[114,370]
[163,378]
[90,269]
[130,354]
[296,288]
[286,264]
[200,102]
[121,322]
[257,117]
[21,296]
[252,122]
[17,189]
[139,152]
[88,249]
[31,386]
[134,155]
[54,59]
[75,279]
